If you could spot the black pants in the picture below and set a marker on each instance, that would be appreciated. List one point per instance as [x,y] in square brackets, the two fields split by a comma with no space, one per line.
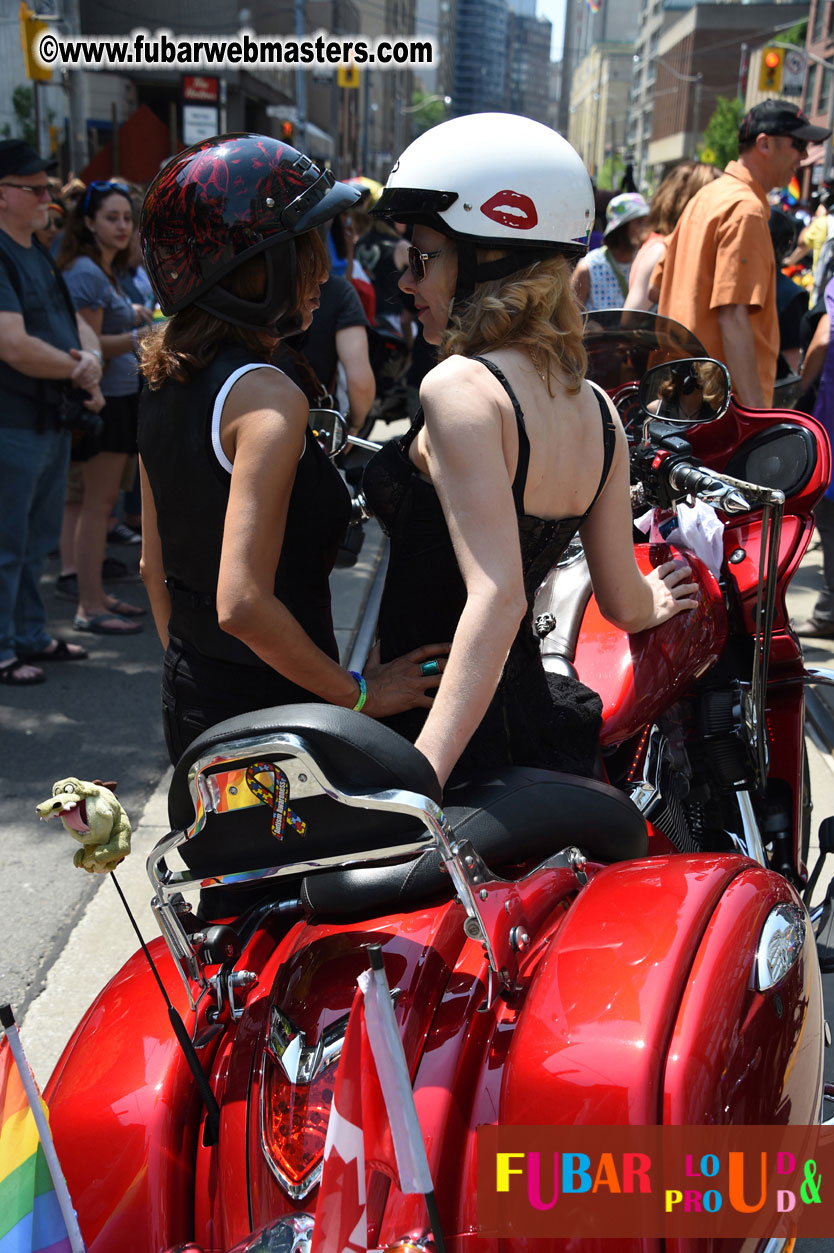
[198,692]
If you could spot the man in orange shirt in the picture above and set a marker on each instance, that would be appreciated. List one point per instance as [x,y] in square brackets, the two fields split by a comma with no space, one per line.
[718,277]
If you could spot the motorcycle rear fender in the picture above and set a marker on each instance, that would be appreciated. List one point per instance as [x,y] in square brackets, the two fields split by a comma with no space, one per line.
[124,1114]
[584,1040]
[590,1044]
[746,1056]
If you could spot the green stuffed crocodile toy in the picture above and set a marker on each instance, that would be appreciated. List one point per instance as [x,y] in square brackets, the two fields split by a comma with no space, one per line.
[94,817]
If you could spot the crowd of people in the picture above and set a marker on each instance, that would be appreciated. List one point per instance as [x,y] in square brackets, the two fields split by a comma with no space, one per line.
[479,498]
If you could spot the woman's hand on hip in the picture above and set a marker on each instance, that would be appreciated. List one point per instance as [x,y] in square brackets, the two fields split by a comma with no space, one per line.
[402,684]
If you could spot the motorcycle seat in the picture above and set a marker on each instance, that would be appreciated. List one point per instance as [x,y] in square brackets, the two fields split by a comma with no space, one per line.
[357,756]
[521,815]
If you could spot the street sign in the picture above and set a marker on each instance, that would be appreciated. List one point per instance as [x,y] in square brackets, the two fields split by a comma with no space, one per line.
[793,72]
[708,156]
[199,122]
[199,89]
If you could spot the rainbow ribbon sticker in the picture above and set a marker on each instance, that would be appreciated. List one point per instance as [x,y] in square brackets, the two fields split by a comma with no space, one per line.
[277,796]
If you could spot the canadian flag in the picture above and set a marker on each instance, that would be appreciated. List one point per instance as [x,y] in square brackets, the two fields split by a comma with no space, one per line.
[373,1120]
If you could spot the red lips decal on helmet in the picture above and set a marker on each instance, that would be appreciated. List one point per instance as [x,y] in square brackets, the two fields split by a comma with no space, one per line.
[511,208]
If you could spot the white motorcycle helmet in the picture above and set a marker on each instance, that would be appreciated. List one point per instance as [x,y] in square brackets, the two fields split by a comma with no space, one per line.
[493,180]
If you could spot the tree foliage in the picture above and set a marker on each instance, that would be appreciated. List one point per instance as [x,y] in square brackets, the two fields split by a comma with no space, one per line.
[23,107]
[431,114]
[796,34]
[721,133]
[611,172]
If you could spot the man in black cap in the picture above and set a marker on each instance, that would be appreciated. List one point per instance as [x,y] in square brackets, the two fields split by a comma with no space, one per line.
[44,347]
[719,274]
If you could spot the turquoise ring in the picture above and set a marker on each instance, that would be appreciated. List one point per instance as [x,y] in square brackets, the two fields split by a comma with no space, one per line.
[429,667]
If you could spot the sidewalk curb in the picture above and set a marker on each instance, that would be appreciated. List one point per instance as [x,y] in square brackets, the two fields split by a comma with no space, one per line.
[819,713]
[100,943]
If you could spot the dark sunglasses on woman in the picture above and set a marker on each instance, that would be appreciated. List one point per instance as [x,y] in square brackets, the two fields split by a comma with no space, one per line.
[417,262]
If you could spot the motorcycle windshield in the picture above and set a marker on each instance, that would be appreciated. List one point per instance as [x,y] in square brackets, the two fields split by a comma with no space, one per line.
[622,344]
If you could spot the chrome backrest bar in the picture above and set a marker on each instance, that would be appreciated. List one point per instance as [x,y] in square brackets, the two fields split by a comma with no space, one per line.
[437,833]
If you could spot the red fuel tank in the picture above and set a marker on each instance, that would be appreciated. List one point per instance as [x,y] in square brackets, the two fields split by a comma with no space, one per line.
[639,676]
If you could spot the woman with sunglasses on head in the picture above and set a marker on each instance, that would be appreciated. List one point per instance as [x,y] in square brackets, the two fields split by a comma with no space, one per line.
[511,454]
[242,511]
[93,256]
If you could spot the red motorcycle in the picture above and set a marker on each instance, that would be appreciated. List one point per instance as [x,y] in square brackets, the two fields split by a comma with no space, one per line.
[575,951]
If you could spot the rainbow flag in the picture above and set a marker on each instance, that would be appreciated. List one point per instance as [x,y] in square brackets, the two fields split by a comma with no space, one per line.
[31,1219]
[594,5]
[793,190]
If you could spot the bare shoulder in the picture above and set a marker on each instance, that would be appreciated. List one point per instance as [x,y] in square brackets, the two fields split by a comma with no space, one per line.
[266,391]
[457,377]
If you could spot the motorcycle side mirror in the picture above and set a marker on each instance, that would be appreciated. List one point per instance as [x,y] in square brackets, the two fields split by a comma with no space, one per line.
[329,428]
[684,393]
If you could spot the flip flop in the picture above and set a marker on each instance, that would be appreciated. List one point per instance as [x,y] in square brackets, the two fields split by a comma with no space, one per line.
[61,652]
[123,608]
[104,624]
[10,676]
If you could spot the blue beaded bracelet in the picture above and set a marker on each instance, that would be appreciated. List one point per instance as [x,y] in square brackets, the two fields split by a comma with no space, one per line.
[363,691]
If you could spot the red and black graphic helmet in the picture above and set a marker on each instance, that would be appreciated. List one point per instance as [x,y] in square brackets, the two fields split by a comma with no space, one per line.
[222,201]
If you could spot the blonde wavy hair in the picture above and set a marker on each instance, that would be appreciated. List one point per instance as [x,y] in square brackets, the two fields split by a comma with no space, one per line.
[534,309]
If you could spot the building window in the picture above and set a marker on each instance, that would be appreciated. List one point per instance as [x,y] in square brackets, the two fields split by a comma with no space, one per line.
[810,89]
[819,21]
[825,88]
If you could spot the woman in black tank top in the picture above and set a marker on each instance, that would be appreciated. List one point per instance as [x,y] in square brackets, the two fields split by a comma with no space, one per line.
[511,453]
[242,511]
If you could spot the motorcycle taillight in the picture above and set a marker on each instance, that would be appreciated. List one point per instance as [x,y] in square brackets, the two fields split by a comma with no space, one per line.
[294,1119]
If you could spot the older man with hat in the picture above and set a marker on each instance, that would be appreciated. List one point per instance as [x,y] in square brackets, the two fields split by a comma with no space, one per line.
[718,277]
[44,349]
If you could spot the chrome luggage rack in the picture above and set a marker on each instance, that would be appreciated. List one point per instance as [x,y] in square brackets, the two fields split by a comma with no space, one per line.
[216,782]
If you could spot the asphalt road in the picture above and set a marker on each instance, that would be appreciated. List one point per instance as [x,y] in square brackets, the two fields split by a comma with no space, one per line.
[96,719]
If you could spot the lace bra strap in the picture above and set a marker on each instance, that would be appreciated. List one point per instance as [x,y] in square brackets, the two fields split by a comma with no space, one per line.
[609,443]
[417,424]
[520,480]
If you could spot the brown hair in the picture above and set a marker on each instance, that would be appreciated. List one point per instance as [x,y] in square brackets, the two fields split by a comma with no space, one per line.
[534,308]
[78,240]
[675,192]
[189,341]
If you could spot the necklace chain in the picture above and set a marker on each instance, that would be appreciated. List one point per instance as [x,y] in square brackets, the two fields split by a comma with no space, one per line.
[536,365]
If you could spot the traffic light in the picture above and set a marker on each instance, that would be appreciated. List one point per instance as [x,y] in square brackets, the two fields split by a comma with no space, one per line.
[770,73]
[287,131]
[31,28]
[347,75]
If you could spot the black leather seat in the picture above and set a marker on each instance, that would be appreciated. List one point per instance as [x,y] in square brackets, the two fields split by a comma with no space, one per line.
[356,754]
[520,815]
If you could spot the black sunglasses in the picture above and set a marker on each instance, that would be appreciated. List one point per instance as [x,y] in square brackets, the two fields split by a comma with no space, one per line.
[800,145]
[417,262]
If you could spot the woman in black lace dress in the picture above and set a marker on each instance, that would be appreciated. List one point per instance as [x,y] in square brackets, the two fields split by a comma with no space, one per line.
[511,454]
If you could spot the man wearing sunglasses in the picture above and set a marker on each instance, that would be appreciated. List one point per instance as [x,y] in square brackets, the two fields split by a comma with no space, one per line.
[718,277]
[43,346]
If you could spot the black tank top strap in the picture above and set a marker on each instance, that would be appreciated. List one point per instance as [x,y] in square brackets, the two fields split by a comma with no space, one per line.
[609,443]
[523,464]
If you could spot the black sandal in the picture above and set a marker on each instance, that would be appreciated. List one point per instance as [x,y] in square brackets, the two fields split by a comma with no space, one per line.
[10,674]
[61,652]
